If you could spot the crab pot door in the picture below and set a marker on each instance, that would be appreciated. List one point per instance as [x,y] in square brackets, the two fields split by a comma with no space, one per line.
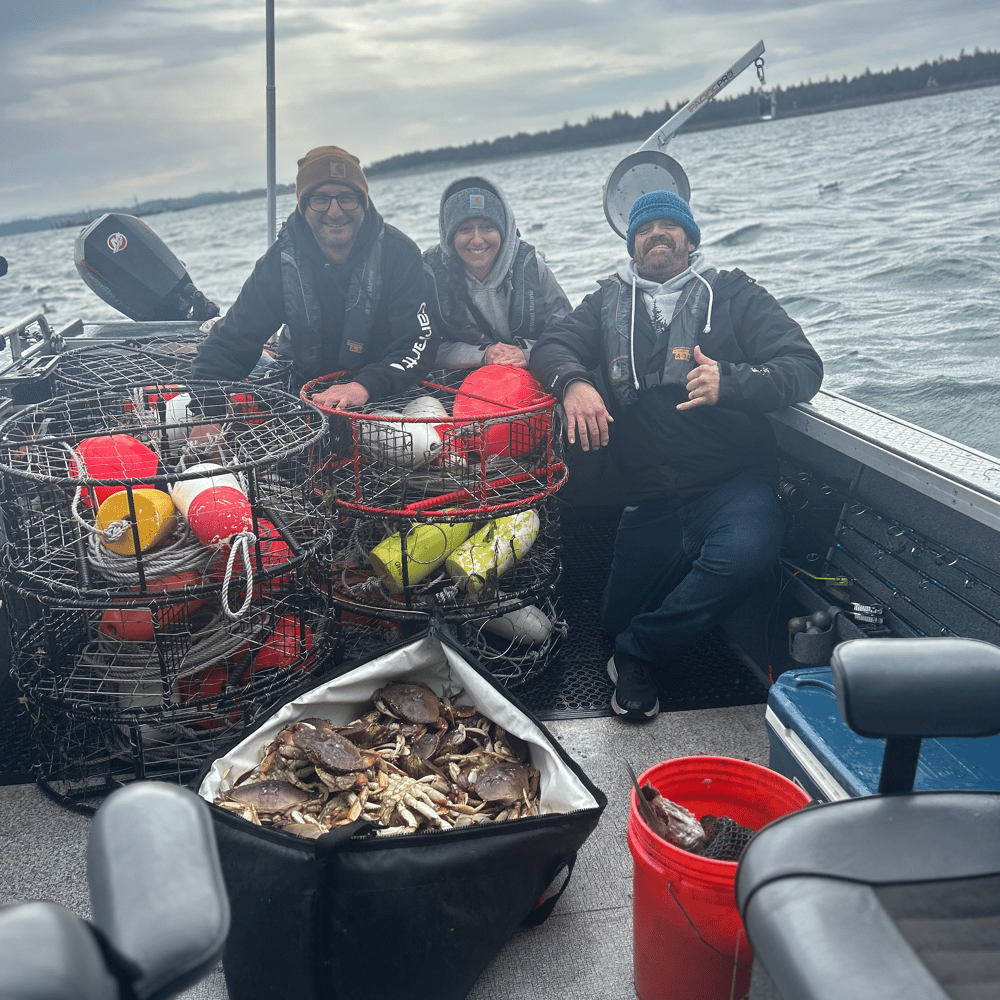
[352,914]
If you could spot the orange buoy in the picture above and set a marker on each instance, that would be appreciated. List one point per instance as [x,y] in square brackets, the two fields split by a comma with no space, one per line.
[136,624]
[214,505]
[207,684]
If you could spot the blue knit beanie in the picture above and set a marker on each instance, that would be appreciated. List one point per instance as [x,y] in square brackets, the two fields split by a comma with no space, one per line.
[661,205]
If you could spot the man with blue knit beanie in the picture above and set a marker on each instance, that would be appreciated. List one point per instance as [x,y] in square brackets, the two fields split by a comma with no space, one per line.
[691,358]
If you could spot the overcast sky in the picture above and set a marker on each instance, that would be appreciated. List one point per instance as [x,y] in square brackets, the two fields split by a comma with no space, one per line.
[104,101]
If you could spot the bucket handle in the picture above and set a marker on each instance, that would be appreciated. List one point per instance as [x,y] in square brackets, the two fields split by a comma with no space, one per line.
[737,965]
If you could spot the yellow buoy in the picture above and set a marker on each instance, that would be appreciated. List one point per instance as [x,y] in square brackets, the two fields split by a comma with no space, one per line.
[492,551]
[427,547]
[155,520]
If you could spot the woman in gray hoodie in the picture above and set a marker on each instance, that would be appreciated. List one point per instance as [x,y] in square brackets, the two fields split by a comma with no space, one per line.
[491,295]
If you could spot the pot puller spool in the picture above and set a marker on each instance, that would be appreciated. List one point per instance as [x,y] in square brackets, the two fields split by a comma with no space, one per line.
[219,514]
[649,168]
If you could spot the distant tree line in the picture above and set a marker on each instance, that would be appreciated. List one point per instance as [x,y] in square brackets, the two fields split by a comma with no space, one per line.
[979,68]
[140,208]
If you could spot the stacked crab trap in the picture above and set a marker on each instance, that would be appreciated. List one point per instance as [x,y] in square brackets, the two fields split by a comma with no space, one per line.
[157,568]
[149,360]
[445,497]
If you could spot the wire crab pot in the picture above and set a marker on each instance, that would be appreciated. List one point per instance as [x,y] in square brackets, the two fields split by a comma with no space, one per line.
[87,484]
[79,763]
[402,571]
[209,673]
[519,645]
[443,449]
[157,361]
[516,641]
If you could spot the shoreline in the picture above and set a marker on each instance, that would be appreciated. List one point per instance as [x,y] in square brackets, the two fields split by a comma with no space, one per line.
[158,206]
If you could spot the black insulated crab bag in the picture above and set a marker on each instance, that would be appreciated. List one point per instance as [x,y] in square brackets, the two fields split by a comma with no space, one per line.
[351,915]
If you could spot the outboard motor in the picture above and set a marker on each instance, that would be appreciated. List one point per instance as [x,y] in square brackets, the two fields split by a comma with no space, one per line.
[131,268]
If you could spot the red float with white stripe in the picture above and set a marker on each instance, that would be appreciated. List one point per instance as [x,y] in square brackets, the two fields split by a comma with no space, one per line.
[214,505]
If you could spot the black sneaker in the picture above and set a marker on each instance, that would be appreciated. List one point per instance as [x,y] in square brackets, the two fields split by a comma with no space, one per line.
[636,695]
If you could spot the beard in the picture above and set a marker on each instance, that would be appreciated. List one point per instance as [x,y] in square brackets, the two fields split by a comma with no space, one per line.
[657,264]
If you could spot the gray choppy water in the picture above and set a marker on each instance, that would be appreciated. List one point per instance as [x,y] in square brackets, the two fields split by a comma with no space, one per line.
[878,228]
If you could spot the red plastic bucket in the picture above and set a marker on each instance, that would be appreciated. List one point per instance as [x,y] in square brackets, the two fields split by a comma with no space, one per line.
[687,936]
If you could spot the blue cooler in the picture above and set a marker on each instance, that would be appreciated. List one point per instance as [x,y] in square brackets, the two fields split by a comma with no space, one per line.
[810,743]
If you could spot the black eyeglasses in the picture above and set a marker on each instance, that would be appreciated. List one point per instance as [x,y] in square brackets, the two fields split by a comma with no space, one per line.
[320,202]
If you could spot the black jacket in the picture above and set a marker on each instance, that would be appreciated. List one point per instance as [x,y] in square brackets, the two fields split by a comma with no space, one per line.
[765,363]
[398,348]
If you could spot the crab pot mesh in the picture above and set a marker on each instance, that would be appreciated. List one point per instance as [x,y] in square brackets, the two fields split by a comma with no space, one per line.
[469,569]
[518,645]
[157,361]
[80,763]
[412,457]
[515,641]
[191,669]
[204,673]
[88,484]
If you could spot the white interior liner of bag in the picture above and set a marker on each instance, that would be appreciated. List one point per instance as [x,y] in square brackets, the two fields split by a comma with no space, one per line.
[347,697]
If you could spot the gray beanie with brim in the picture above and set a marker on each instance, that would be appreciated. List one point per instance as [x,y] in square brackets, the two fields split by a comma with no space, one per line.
[472,203]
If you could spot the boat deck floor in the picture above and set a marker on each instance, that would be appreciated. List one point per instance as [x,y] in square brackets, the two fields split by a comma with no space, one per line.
[584,949]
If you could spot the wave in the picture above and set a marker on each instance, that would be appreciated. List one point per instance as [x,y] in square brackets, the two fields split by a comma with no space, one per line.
[740,237]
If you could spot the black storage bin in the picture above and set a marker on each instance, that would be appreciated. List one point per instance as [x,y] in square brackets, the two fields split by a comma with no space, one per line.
[352,915]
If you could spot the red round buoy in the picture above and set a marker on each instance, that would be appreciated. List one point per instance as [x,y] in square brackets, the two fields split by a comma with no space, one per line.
[214,505]
[114,456]
[494,390]
[285,645]
[136,624]
[207,684]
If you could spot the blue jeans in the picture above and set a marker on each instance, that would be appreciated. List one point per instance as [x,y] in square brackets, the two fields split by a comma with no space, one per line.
[676,572]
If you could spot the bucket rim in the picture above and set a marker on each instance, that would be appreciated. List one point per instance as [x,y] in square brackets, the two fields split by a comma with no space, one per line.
[710,765]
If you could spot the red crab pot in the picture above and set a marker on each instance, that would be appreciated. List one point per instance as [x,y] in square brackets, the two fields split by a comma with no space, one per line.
[421,915]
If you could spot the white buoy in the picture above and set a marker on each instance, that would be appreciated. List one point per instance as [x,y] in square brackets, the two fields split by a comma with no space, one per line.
[403,443]
[529,626]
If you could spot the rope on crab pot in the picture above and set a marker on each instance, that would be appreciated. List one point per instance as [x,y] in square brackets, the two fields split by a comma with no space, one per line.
[240,546]
[185,554]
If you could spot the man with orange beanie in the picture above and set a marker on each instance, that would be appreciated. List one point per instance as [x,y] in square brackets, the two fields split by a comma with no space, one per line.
[345,288]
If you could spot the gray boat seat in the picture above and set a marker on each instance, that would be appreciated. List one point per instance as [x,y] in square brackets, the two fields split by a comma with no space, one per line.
[897,894]
[160,910]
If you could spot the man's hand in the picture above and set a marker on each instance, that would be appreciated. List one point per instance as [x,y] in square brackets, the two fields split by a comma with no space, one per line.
[505,354]
[586,416]
[349,396]
[703,382]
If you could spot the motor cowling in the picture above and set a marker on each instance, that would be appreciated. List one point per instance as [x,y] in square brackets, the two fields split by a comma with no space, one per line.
[125,263]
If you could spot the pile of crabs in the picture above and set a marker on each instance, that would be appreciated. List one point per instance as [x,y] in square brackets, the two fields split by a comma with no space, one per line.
[413,762]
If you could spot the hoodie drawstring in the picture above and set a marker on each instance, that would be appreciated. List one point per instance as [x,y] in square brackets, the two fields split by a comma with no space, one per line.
[711,296]
[631,341]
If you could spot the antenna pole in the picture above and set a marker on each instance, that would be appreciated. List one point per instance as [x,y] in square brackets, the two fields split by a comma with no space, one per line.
[271,158]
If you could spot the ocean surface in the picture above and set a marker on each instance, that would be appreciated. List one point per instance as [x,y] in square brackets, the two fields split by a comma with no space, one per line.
[877,228]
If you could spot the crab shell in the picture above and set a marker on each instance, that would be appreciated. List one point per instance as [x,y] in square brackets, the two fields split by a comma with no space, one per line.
[329,750]
[412,702]
[269,796]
